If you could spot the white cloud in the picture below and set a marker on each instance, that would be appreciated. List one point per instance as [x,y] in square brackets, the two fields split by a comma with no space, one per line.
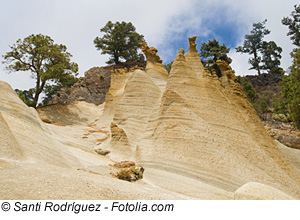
[76,23]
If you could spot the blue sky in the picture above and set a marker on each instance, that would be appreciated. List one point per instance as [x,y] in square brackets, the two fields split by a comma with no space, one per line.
[166,24]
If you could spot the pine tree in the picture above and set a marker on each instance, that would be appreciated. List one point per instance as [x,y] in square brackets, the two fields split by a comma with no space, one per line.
[271,57]
[291,89]
[253,44]
[211,52]
[293,25]
[47,61]
[120,41]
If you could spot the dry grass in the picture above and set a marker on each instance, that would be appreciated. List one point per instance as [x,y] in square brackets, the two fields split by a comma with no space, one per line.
[128,171]
[125,174]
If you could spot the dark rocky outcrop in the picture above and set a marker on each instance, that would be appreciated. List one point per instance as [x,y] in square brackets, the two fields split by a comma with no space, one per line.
[93,87]
[265,82]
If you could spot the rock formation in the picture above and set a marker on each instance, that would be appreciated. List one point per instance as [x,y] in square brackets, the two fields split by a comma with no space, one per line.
[92,88]
[196,135]
[192,47]
[203,121]
[150,53]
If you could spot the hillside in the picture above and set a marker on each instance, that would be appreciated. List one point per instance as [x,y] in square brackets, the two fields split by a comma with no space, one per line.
[196,136]
[268,88]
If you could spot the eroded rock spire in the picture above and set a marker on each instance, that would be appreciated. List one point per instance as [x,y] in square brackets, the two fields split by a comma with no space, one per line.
[180,56]
[192,47]
[150,53]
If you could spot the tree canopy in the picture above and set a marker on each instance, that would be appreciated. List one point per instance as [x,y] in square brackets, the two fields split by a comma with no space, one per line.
[48,62]
[271,55]
[293,25]
[120,41]
[253,44]
[291,89]
[211,52]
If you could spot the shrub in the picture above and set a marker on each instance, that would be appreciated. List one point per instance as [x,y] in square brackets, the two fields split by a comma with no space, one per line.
[138,173]
[280,117]
[261,106]
[125,174]
[280,106]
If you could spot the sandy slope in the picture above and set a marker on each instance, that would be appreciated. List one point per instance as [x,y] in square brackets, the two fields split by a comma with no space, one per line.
[46,161]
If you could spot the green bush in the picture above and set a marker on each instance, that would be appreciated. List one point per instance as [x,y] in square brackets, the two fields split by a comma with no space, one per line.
[291,90]
[280,117]
[248,89]
[138,173]
[280,106]
[261,106]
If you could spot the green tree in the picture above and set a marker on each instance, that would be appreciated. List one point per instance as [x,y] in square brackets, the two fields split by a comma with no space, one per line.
[253,44]
[26,96]
[120,41]
[48,62]
[248,89]
[293,25]
[291,89]
[211,52]
[271,57]
[168,66]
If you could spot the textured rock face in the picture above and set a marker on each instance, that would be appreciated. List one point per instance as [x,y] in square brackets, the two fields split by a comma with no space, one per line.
[91,88]
[24,136]
[150,53]
[196,135]
[197,124]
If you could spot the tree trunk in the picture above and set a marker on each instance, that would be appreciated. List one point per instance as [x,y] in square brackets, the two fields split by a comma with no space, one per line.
[256,63]
[37,93]
[116,60]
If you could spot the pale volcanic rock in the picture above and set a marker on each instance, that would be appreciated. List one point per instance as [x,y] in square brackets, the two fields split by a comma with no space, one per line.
[26,136]
[196,135]
[47,161]
[204,126]
[258,191]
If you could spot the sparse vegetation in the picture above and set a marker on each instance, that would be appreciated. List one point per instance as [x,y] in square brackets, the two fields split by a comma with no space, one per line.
[259,103]
[168,66]
[128,171]
[280,117]
[138,173]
